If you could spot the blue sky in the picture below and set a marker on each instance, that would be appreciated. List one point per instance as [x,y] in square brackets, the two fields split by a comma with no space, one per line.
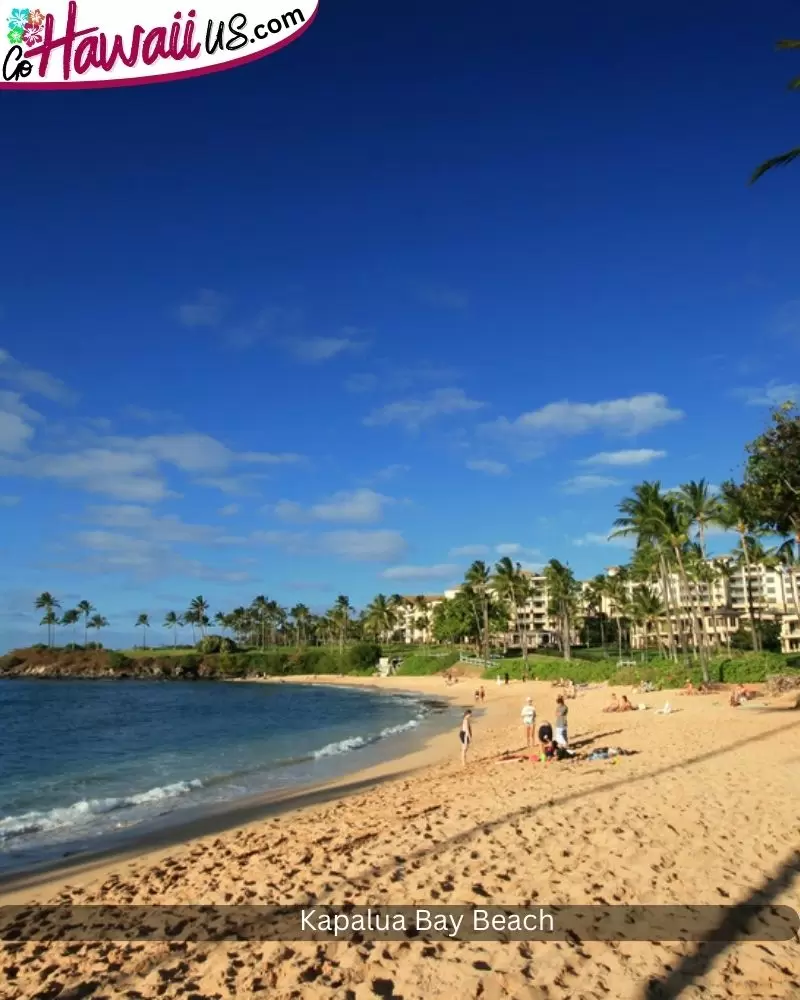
[411,290]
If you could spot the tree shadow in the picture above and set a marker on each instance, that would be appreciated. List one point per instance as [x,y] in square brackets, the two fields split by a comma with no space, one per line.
[373,873]
[692,967]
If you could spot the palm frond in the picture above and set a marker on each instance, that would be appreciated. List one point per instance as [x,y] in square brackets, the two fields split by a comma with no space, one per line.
[777,161]
[788,43]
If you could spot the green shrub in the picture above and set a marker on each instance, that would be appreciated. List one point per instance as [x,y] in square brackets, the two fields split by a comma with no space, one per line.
[362,656]
[216,644]
[119,661]
[420,665]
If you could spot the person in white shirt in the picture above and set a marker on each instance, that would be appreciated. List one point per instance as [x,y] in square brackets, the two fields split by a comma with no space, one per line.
[528,720]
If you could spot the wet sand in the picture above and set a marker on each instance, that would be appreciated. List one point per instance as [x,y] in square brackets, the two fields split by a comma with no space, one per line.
[705,811]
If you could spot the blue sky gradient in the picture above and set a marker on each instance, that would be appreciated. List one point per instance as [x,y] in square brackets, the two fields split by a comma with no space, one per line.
[411,290]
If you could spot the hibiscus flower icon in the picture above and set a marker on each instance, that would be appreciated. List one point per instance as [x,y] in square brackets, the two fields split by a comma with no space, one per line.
[36,18]
[32,34]
[15,36]
[19,18]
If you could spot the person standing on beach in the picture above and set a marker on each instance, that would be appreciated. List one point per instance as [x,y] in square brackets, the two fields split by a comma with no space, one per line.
[466,734]
[528,720]
[561,721]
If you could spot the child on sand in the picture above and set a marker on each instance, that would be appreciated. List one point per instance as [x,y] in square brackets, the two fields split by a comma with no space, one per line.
[466,734]
[528,720]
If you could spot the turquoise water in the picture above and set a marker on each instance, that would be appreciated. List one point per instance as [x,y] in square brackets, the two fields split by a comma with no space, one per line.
[80,759]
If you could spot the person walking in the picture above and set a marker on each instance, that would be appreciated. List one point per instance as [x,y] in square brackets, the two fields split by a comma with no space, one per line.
[466,734]
[561,722]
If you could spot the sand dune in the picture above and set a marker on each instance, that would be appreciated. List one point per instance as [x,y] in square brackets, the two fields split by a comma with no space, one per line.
[706,811]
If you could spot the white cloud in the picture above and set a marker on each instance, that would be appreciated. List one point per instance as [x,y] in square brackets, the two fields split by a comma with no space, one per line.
[412,413]
[361,383]
[315,349]
[147,416]
[365,546]
[245,485]
[515,549]
[166,528]
[439,572]
[129,468]
[355,545]
[773,394]
[204,310]
[33,380]
[392,471]
[144,559]
[627,417]
[593,538]
[470,551]
[582,484]
[361,506]
[491,468]
[229,510]
[9,501]
[511,549]
[630,456]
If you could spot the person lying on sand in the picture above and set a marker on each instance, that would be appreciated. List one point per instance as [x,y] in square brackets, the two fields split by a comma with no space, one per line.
[625,705]
[613,705]
[740,694]
[554,751]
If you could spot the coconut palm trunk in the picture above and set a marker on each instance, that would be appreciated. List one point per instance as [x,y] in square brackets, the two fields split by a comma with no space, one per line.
[673,652]
[749,589]
[696,638]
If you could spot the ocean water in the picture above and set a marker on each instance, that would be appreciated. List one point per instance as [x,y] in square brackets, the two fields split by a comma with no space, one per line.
[80,760]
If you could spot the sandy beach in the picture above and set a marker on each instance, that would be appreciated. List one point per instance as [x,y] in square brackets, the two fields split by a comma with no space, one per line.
[705,810]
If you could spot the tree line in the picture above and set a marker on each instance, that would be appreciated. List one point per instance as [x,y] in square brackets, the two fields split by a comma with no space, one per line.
[669,529]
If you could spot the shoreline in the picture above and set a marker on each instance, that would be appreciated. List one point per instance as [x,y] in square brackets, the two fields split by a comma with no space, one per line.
[417,749]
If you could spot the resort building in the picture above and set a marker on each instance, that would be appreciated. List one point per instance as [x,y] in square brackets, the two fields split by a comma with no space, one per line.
[721,603]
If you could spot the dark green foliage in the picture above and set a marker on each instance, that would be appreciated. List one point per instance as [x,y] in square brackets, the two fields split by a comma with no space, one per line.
[216,644]
[769,633]
[363,656]
[420,665]
[120,662]
[749,667]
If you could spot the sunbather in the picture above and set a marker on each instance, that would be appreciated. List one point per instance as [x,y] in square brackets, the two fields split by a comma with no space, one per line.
[613,705]
[625,705]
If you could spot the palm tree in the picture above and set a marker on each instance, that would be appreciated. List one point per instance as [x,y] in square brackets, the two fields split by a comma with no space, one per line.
[509,584]
[98,622]
[790,565]
[71,617]
[381,617]
[143,622]
[85,609]
[735,513]
[785,158]
[642,516]
[563,590]
[593,599]
[646,608]
[199,608]
[50,619]
[301,616]
[173,621]
[340,616]
[701,508]
[616,590]
[47,603]
[477,579]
